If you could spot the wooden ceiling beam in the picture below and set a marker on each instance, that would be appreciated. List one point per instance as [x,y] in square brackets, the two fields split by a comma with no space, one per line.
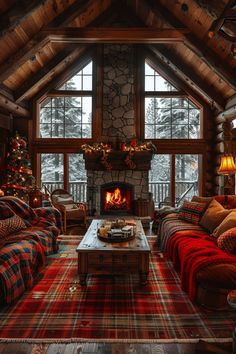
[40,40]
[26,53]
[194,44]
[17,14]
[12,107]
[78,8]
[115,35]
[213,7]
[5,91]
[58,63]
[172,59]
[88,35]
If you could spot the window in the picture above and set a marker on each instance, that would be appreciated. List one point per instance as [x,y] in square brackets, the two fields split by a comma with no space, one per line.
[77,177]
[55,176]
[81,81]
[168,117]
[69,115]
[178,180]
[52,173]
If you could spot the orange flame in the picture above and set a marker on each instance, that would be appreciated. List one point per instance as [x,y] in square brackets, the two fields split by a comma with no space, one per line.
[115,199]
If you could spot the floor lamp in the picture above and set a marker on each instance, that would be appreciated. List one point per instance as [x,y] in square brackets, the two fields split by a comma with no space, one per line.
[227,168]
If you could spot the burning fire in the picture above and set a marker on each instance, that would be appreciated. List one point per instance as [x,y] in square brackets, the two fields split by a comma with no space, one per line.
[114,200]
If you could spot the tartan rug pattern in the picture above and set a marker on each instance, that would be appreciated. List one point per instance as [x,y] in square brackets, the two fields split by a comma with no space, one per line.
[110,308]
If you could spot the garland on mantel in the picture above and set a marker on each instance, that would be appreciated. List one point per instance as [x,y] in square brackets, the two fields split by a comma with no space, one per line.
[129,147]
[133,145]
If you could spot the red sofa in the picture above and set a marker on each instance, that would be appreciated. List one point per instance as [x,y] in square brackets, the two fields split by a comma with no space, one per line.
[204,257]
[27,236]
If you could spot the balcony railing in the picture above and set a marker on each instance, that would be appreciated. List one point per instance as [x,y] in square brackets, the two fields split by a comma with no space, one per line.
[78,189]
[160,190]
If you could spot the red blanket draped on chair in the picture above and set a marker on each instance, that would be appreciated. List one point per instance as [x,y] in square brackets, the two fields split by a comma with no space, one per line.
[192,251]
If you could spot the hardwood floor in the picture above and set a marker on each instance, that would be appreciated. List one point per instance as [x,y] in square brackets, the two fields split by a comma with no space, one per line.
[116,348]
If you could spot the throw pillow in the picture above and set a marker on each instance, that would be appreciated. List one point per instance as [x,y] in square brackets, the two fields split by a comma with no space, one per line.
[198,199]
[213,216]
[10,225]
[227,223]
[191,211]
[64,200]
[5,211]
[227,240]
[231,202]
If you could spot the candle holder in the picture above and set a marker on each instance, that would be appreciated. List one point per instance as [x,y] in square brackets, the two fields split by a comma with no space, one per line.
[35,198]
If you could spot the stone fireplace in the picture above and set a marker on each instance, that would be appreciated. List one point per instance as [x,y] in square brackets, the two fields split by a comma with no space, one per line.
[97,179]
[118,126]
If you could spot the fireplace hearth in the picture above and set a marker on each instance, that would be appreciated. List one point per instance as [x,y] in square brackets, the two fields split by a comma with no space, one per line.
[116,198]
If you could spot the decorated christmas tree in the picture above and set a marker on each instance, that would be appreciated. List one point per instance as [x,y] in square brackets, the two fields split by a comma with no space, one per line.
[18,174]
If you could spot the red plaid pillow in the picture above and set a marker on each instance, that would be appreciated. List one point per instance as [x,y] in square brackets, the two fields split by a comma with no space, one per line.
[227,241]
[5,211]
[192,211]
[10,225]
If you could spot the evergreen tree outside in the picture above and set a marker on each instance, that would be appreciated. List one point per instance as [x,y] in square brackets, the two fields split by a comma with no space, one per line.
[62,117]
[52,173]
[66,117]
[170,118]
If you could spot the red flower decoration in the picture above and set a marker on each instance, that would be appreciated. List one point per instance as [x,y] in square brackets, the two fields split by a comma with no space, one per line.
[133,142]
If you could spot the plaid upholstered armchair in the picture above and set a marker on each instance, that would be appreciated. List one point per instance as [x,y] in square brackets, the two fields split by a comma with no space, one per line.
[73,213]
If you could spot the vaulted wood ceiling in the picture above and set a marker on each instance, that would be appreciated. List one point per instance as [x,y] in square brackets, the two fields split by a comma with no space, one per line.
[39,39]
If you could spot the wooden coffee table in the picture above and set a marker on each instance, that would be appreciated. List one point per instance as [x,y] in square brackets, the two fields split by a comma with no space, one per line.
[99,257]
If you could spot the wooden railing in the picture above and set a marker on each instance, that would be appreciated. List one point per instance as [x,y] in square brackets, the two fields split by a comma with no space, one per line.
[160,190]
[78,189]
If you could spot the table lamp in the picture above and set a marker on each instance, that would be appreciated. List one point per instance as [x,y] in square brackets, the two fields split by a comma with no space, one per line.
[227,168]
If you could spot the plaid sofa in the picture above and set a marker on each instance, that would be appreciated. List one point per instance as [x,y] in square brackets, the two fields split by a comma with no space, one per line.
[23,253]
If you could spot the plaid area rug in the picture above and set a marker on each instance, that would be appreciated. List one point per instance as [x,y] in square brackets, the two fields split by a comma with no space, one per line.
[110,308]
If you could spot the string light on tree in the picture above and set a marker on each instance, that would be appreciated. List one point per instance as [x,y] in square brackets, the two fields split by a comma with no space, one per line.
[18,174]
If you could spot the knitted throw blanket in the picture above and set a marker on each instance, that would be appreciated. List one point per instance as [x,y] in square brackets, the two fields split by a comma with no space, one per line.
[171,224]
[192,251]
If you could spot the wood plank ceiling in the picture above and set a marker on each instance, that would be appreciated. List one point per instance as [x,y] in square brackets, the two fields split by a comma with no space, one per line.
[40,39]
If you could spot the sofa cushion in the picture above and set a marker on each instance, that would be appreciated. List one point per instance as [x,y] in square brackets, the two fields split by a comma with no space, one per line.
[205,200]
[218,276]
[227,201]
[5,211]
[228,223]
[213,216]
[191,211]
[67,199]
[10,225]
[230,202]
[227,240]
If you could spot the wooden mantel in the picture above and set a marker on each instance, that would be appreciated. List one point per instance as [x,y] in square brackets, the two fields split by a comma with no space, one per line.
[117,160]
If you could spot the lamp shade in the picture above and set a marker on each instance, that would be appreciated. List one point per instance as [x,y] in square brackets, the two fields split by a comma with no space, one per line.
[227,165]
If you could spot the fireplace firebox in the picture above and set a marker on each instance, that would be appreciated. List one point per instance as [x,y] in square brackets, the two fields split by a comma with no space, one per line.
[117,198]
